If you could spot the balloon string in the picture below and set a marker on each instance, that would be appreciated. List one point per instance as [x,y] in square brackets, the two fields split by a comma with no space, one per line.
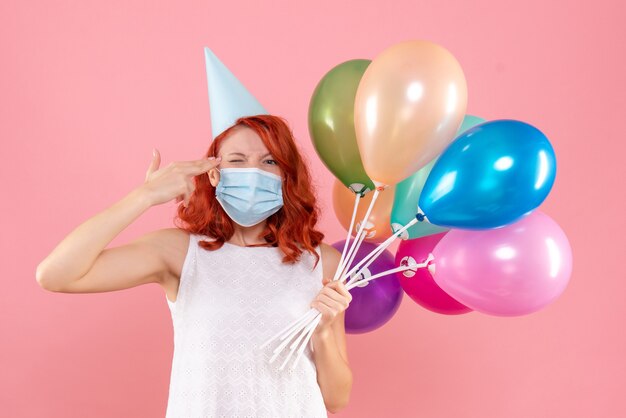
[312,316]
[293,345]
[416,266]
[308,329]
[345,245]
[349,261]
[306,321]
[290,327]
[342,266]
[357,243]
[369,258]
[301,322]
[306,324]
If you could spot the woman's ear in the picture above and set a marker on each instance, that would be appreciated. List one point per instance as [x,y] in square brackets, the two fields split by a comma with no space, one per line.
[214,176]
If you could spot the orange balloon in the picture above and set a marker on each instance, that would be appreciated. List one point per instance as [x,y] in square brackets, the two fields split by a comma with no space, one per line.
[408,107]
[378,227]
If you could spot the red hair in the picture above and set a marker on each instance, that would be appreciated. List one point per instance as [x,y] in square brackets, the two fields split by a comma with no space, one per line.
[292,228]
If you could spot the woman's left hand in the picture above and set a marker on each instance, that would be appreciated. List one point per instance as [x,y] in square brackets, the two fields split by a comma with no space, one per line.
[333,299]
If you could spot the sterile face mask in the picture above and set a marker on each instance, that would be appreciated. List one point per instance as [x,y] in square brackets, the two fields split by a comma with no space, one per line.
[249,195]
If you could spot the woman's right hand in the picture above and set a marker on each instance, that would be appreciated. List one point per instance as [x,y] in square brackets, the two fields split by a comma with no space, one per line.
[175,180]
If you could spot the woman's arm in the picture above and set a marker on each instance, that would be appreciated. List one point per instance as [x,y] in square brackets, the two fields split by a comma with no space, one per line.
[74,256]
[329,339]
[80,262]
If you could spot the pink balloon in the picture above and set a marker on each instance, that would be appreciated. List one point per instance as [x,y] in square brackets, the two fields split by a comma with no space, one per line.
[419,284]
[509,271]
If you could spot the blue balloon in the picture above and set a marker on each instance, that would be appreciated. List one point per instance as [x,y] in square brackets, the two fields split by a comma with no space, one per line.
[490,176]
[408,192]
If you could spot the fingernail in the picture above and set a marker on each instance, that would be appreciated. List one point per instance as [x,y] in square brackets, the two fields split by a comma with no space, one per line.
[218,159]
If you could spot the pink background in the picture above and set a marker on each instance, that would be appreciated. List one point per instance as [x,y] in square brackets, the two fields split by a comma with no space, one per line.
[88,88]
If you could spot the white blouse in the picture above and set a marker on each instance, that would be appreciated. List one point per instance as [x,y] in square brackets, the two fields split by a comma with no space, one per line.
[230,301]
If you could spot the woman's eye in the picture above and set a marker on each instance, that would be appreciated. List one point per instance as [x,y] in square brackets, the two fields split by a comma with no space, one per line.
[271,161]
[235,161]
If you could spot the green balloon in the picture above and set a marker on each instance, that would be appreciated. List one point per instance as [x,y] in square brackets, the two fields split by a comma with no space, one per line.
[331,124]
[408,194]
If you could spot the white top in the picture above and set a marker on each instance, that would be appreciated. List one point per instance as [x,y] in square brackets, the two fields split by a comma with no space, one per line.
[230,301]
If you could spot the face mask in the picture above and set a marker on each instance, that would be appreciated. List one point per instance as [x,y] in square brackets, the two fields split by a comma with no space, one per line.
[249,195]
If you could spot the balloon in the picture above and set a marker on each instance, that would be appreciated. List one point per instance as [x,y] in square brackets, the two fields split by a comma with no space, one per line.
[331,123]
[469,121]
[376,302]
[378,227]
[408,107]
[408,192]
[490,176]
[419,284]
[509,271]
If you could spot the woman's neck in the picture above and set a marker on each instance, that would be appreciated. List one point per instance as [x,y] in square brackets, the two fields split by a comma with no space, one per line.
[247,235]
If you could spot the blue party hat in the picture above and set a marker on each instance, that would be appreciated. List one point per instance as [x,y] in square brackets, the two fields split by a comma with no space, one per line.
[228,98]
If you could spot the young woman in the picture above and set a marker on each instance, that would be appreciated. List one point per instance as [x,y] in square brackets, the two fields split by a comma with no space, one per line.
[245,261]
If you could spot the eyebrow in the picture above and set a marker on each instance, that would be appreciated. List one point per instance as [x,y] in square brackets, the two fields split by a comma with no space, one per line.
[244,155]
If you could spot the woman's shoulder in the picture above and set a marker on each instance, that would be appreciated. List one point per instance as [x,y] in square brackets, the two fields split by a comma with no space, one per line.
[170,238]
[173,243]
[330,259]
[329,251]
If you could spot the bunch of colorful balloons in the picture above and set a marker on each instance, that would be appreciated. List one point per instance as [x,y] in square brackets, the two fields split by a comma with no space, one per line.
[461,192]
